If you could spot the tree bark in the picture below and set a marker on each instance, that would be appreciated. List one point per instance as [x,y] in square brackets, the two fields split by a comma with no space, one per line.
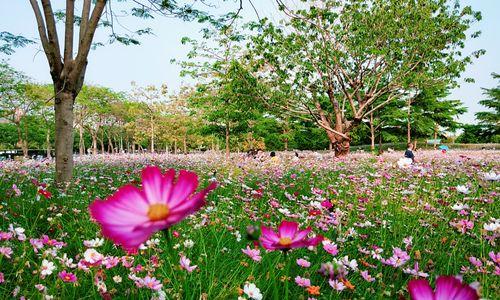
[408,124]
[47,142]
[64,101]
[227,140]
[152,136]
[372,133]
[94,143]
[184,144]
[81,143]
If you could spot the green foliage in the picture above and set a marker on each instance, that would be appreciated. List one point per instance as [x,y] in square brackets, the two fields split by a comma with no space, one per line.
[337,59]
[491,118]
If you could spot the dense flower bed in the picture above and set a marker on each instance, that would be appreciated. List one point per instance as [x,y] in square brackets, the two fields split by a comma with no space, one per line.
[293,228]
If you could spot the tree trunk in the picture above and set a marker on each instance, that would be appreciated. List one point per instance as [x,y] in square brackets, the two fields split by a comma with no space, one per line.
[47,142]
[184,142]
[227,140]
[101,141]
[341,147]
[372,133]
[110,145]
[152,136]
[380,143]
[81,143]
[435,135]
[94,143]
[408,124]
[175,146]
[63,105]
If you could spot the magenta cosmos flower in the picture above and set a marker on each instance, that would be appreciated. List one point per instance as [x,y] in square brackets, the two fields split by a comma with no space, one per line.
[447,287]
[131,215]
[289,236]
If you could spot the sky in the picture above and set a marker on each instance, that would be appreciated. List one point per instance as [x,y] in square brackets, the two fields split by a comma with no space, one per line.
[116,65]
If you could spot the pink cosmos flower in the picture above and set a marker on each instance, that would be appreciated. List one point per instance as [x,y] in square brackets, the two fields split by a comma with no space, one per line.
[336,284]
[5,235]
[2,278]
[16,190]
[330,248]
[110,261]
[186,264]
[67,277]
[152,283]
[6,251]
[252,253]
[447,287]
[303,282]
[476,262]
[367,276]
[303,263]
[495,257]
[289,236]
[130,216]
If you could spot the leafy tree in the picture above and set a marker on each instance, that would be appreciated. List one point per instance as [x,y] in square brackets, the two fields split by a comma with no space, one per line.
[491,119]
[228,95]
[338,58]
[68,61]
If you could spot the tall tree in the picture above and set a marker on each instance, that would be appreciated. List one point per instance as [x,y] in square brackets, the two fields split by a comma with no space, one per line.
[68,62]
[491,118]
[227,92]
[340,57]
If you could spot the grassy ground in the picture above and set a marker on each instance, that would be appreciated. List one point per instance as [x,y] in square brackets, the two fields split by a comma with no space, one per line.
[376,205]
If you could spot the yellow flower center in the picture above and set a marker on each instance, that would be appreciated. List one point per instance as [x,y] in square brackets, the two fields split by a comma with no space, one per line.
[285,241]
[157,212]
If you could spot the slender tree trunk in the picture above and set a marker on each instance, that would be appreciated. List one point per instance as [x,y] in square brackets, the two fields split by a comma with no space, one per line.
[152,136]
[64,101]
[380,143]
[47,143]
[94,143]
[110,145]
[184,142]
[372,133]
[101,141]
[227,140]
[435,135]
[175,146]
[408,123]
[81,143]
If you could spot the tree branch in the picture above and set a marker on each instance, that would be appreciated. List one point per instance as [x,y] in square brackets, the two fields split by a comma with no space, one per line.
[68,31]
[42,31]
[86,43]
[85,19]
[53,40]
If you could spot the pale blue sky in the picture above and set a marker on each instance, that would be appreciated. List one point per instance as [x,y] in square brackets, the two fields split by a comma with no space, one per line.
[149,63]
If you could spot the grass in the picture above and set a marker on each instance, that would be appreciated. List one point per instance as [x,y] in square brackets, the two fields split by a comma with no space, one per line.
[375,204]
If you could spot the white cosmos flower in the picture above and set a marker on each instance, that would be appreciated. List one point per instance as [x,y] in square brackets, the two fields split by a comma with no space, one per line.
[462,189]
[491,176]
[494,226]
[47,268]
[92,256]
[404,162]
[460,206]
[252,291]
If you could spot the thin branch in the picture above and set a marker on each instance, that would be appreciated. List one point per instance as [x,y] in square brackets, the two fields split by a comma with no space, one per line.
[52,36]
[68,31]
[85,19]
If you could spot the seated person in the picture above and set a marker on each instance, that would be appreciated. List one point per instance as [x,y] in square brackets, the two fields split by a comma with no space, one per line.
[409,152]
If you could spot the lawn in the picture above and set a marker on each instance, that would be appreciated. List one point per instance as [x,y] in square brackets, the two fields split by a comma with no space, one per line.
[383,225]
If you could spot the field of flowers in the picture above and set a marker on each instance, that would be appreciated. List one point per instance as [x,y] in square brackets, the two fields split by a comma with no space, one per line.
[313,227]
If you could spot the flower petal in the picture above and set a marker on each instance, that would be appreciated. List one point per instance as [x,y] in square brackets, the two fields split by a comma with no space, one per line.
[420,290]
[186,184]
[288,229]
[156,186]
